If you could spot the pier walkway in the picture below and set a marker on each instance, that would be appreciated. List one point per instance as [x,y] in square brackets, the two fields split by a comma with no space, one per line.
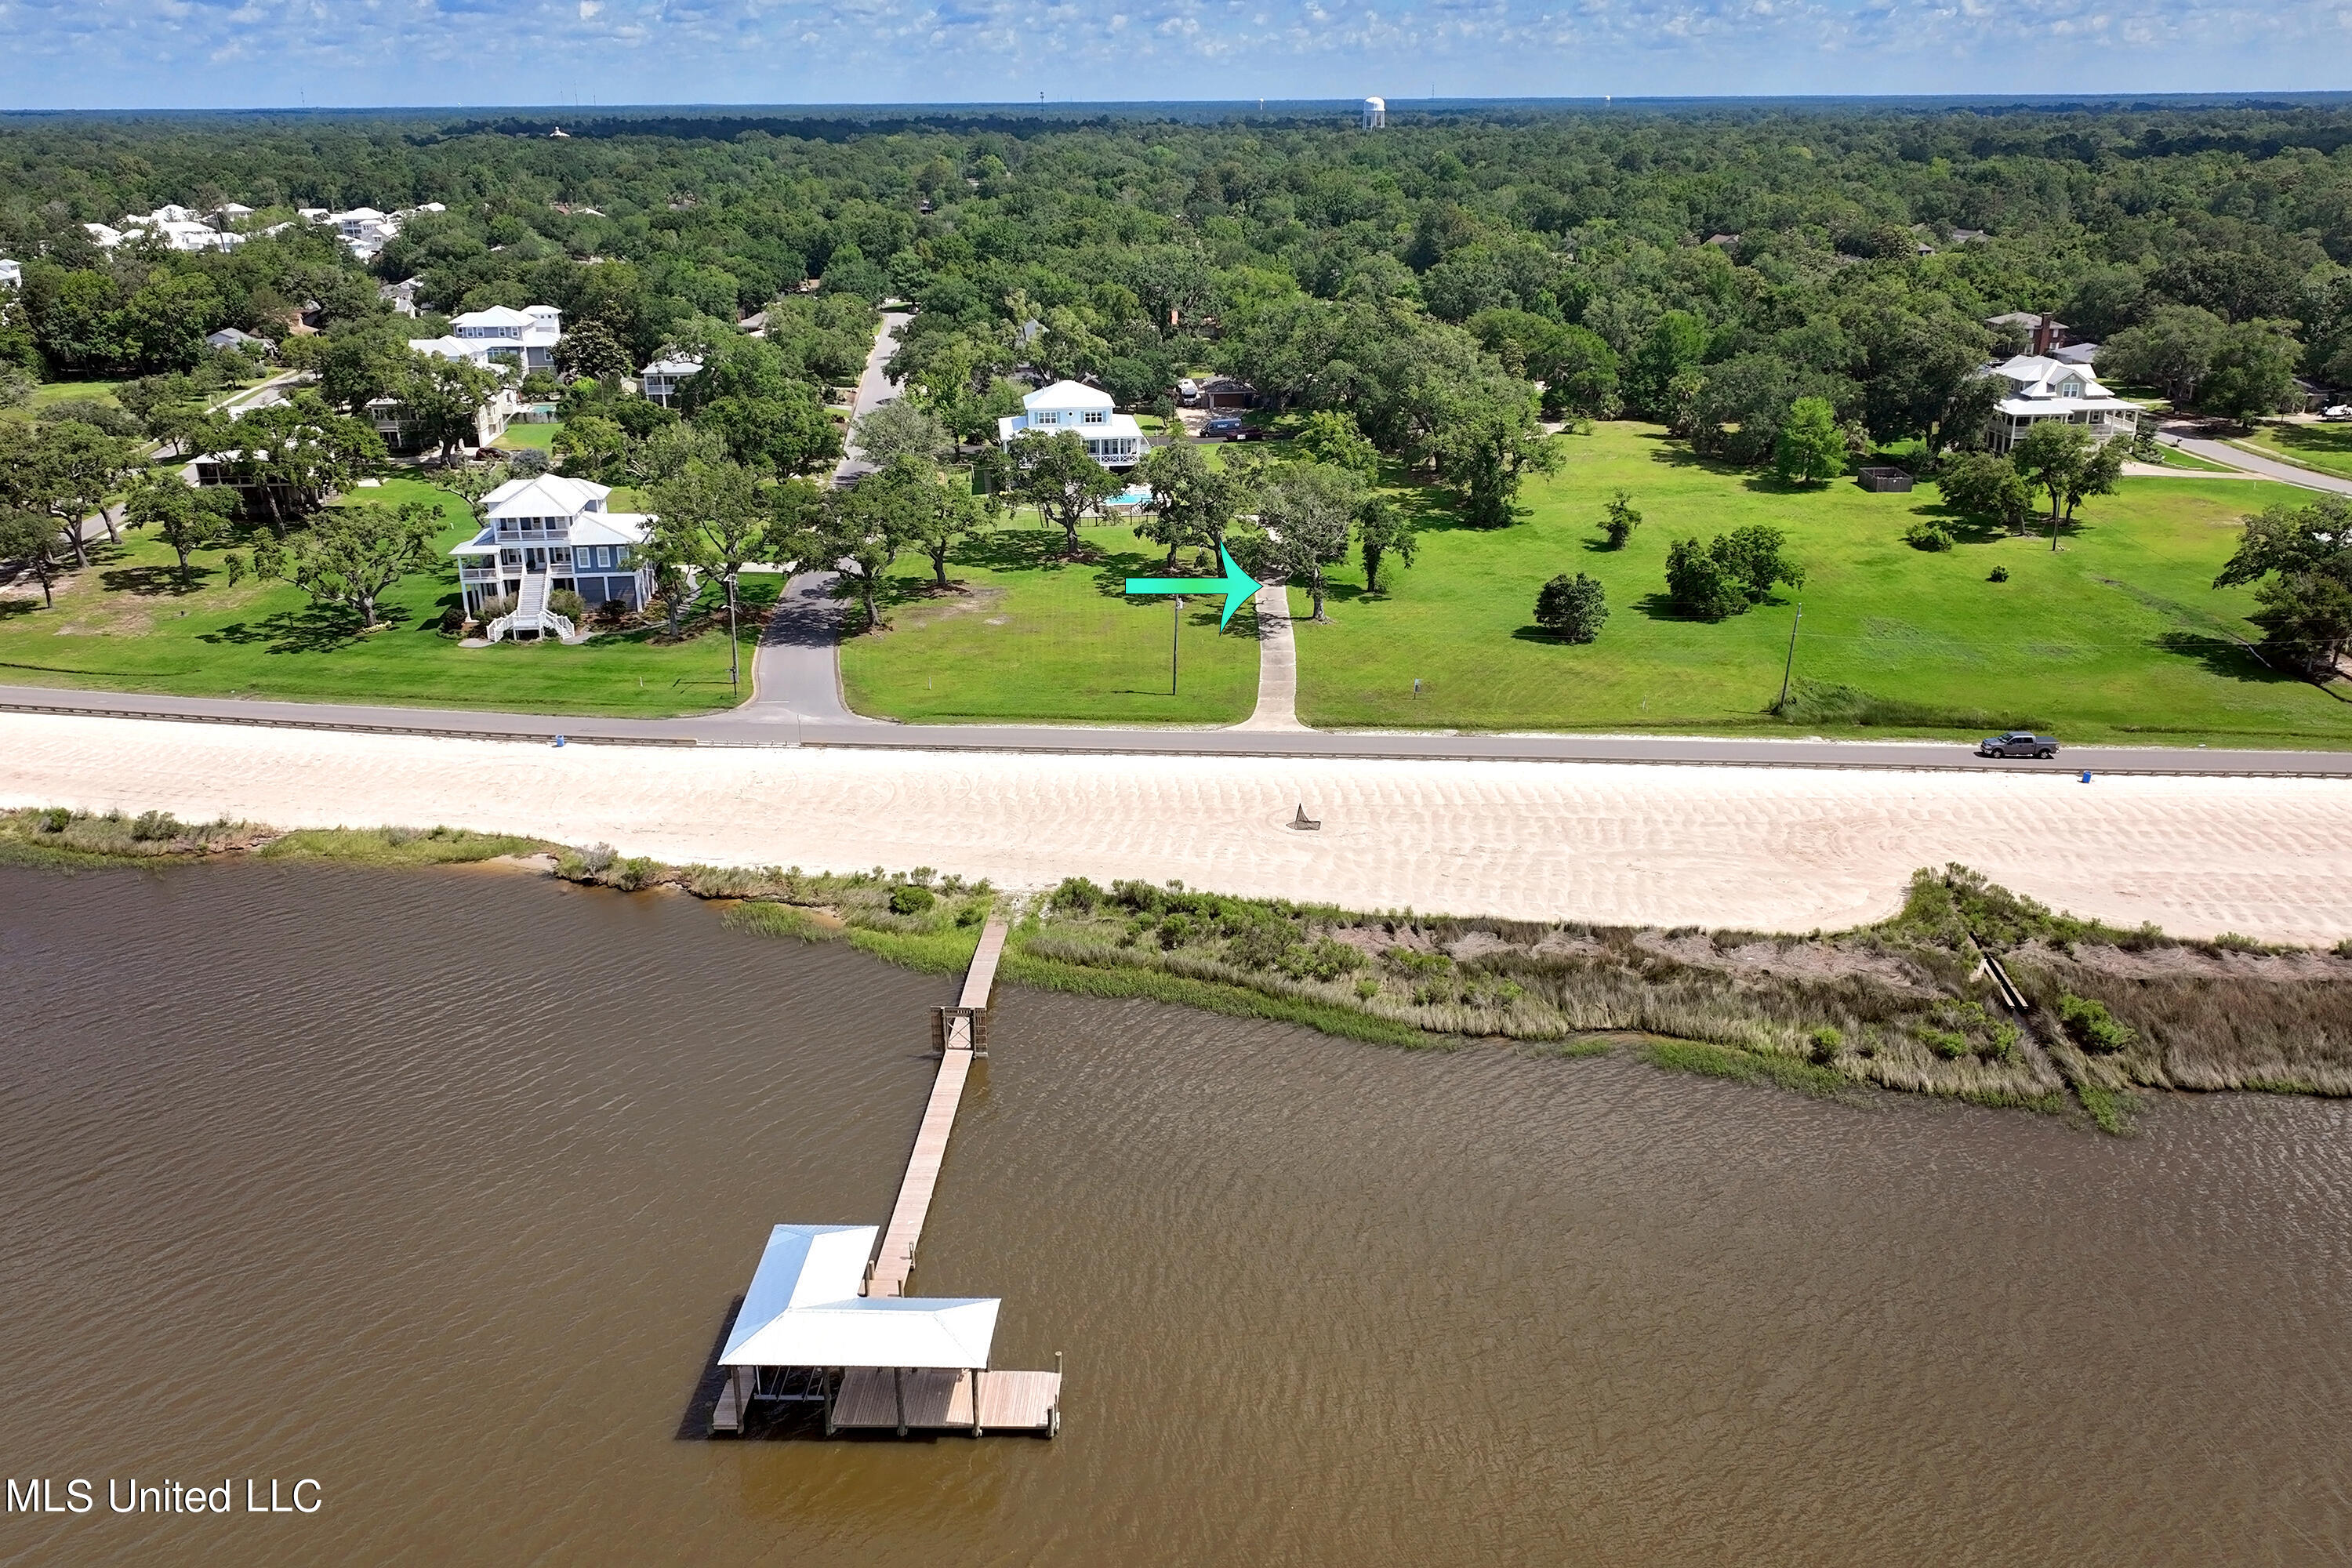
[962,1034]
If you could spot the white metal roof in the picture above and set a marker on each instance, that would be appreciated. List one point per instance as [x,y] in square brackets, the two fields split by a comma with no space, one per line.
[802,1309]
[1067,394]
[544,495]
[496,316]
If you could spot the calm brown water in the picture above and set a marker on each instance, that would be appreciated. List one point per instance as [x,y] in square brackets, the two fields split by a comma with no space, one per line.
[437,1187]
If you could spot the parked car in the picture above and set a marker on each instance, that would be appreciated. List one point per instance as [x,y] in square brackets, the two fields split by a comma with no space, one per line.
[1229,429]
[2340,414]
[2018,743]
[1188,391]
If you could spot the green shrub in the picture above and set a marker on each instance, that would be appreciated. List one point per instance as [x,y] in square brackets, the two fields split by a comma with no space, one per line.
[1925,535]
[154,825]
[911,900]
[1826,1040]
[1997,574]
[2092,1026]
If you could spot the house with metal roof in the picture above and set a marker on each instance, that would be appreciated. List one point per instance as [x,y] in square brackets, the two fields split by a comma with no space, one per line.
[2041,388]
[1113,439]
[547,534]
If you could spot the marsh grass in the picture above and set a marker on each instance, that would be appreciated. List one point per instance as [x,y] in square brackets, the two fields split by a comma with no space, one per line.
[1902,1006]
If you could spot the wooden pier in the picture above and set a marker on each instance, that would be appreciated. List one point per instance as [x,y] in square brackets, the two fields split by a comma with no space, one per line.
[962,1034]
[948,1399]
[917,1364]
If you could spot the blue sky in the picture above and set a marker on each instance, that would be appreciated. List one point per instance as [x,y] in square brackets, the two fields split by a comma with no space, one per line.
[99,54]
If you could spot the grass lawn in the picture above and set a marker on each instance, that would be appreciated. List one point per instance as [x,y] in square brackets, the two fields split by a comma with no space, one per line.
[2174,457]
[2327,446]
[54,392]
[2117,637]
[124,624]
[1029,637]
[541,438]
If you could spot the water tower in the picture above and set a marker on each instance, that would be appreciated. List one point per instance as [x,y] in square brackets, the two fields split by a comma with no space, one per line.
[1376,113]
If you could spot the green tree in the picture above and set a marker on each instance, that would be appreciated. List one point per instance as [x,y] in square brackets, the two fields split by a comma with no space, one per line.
[64,471]
[1674,345]
[1758,558]
[187,520]
[929,511]
[589,447]
[2096,476]
[1332,436]
[592,348]
[1193,501]
[1572,608]
[1698,584]
[288,458]
[2253,372]
[859,531]
[791,433]
[2300,558]
[351,555]
[1057,475]
[721,506]
[1383,530]
[1622,520]
[1986,486]
[1811,449]
[676,554]
[1486,442]
[30,537]
[2051,455]
[444,398]
[900,427]
[2172,351]
[1308,511]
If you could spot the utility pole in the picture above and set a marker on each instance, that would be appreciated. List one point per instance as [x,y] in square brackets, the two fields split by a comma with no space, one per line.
[734,649]
[1175,624]
[1790,667]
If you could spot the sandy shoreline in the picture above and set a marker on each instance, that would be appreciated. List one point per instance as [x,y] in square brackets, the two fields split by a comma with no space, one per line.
[1788,849]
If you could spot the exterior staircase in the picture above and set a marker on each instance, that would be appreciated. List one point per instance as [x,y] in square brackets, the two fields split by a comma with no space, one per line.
[530,616]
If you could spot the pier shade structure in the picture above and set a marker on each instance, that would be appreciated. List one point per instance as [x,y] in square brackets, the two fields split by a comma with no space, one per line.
[826,1319]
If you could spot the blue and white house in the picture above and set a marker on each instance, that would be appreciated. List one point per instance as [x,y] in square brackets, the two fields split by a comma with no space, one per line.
[1113,439]
[525,338]
[2041,387]
[545,534]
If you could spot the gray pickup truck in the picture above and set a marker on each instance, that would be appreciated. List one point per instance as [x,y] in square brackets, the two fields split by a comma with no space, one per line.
[2017,743]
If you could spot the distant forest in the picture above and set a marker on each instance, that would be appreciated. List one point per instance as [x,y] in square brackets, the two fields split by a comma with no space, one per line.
[1446,282]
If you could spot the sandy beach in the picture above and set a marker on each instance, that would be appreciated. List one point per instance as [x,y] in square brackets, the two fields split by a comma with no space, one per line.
[1783,849]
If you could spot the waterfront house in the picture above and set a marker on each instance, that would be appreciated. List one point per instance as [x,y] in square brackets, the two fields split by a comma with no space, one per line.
[548,533]
[1113,439]
[12,274]
[237,337]
[2040,388]
[526,338]
[667,376]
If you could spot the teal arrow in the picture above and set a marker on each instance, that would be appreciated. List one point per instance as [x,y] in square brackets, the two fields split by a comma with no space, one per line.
[1236,586]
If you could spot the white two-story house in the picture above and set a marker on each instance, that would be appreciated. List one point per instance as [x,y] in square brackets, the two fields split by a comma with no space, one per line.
[2041,387]
[548,533]
[1113,439]
[525,338]
[662,380]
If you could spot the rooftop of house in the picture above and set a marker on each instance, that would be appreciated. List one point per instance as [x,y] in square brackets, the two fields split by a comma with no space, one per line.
[1067,394]
[675,365]
[2026,318]
[2040,375]
[545,495]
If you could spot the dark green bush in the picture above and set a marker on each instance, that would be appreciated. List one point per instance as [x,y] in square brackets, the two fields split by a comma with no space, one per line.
[911,900]
[2092,1026]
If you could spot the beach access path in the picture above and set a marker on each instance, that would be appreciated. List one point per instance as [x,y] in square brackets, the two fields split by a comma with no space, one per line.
[1791,849]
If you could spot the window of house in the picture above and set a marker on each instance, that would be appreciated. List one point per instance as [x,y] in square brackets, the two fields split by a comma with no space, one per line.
[1044,418]
[604,555]
[1095,417]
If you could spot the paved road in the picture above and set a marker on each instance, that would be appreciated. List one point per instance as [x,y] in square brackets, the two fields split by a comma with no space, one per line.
[874,388]
[2268,468]
[796,671]
[780,723]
